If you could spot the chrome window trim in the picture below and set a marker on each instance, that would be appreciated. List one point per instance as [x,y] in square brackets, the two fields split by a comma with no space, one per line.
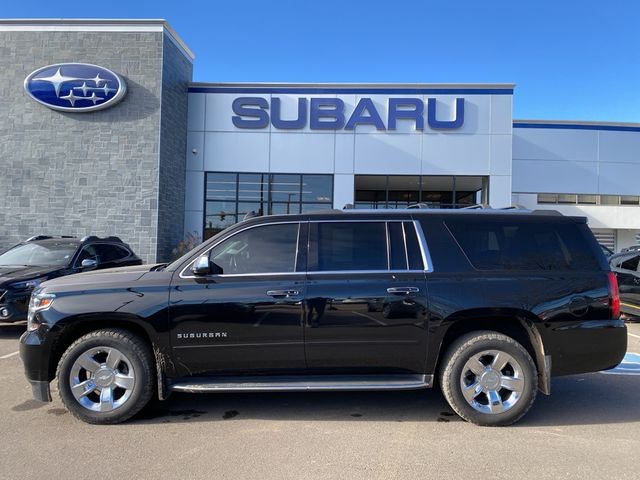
[205,252]
[359,272]
[388,241]
[426,258]
[404,240]
[422,242]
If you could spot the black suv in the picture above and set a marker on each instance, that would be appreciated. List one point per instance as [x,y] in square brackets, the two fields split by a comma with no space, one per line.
[488,304]
[24,266]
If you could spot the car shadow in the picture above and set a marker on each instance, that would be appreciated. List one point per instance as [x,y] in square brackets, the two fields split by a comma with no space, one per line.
[576,400]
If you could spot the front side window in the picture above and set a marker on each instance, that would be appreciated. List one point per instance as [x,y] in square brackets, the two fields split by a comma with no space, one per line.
[263,249]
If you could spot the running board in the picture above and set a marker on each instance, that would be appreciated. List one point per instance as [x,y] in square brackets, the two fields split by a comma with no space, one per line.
[302,383]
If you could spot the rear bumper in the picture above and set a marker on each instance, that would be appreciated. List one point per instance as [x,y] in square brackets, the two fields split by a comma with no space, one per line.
[584,347]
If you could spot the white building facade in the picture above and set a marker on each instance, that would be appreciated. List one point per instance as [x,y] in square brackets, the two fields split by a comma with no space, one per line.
[291,148]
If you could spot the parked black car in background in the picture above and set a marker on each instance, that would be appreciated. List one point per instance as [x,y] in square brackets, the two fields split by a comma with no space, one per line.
[487,304]
[626,266]
[24,266]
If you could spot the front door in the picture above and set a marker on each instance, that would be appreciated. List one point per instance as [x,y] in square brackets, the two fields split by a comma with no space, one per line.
[365,307]
[248,318]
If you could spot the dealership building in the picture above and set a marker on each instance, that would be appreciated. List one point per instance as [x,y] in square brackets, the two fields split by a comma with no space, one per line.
[104,132]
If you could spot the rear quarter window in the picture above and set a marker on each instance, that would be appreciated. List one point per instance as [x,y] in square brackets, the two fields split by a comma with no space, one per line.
[512,245]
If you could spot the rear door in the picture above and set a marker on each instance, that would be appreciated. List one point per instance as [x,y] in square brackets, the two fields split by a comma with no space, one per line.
[365,307]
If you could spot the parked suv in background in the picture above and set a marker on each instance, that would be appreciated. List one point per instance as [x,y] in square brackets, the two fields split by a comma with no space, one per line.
[626,266]
[24,266]
[489,304]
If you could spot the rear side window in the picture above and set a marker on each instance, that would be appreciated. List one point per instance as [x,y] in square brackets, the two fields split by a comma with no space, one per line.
[630,263]
[508,245]
[349,246]
[364,246]
[110,253]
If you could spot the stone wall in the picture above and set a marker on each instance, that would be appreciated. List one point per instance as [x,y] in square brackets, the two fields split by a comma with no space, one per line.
[176,75]
[93,173]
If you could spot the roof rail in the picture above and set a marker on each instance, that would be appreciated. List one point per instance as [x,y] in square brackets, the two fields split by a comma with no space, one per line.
[38,237]
[46,237]
[95,238]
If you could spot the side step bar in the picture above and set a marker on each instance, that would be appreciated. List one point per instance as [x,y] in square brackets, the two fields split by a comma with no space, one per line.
[301,383]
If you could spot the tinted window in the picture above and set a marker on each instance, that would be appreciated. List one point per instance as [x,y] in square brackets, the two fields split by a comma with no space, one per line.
[264,249]
[87,252]
[630,263]
[398,255]
[351,246]
[110,253]
[508,245]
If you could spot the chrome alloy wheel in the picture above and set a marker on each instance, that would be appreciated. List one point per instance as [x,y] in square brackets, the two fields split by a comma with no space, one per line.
[492,381]
[102,379]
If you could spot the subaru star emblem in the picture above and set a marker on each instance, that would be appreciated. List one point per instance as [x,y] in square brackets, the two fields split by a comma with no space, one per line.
[75,87]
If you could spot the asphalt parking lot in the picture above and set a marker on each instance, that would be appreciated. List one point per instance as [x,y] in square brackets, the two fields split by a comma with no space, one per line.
[589,429]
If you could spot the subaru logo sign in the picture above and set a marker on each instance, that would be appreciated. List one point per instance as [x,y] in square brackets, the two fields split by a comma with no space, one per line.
[75,87]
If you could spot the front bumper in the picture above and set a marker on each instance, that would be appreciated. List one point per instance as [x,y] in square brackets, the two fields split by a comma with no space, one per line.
[35,357]
[14,309]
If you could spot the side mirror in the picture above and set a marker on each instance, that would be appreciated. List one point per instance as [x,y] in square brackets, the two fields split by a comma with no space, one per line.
[89,264]
[201,266]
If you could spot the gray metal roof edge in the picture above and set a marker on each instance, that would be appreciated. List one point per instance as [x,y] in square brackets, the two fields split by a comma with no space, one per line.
[104,22]
[350,85]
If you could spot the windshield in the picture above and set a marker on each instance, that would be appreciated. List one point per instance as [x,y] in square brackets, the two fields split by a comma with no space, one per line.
[32,254]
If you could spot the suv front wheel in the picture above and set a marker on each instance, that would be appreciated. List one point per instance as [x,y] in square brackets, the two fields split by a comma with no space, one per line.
[488,378]
[106,376]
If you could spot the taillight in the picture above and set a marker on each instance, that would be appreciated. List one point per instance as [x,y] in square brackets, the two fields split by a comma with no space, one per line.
[614,295]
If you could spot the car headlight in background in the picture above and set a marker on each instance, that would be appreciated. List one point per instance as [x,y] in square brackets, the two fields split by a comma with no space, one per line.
[39,302]
[28,285]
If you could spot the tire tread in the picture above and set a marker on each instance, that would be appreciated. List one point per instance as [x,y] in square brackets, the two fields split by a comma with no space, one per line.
[448,382]
[139,347]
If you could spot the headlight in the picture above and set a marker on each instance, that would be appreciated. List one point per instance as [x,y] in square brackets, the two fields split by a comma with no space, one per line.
[28,285]
[39,302]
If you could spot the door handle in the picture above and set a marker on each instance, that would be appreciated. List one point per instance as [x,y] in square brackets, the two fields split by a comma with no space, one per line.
[402,290]
[282,293]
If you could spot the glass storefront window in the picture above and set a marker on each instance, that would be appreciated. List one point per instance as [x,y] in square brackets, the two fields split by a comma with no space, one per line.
[629,200]
[285,188]
[609,199]
[231,196]
[436,191]
[588,199]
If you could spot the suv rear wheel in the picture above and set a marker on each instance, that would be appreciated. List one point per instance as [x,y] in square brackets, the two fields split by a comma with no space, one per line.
[106,376]
[488,378]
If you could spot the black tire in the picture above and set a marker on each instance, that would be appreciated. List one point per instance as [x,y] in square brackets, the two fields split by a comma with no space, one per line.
[135,365]
[509,405]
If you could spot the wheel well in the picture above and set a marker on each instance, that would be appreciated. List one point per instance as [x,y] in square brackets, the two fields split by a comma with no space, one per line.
[71,332]
[510,326]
